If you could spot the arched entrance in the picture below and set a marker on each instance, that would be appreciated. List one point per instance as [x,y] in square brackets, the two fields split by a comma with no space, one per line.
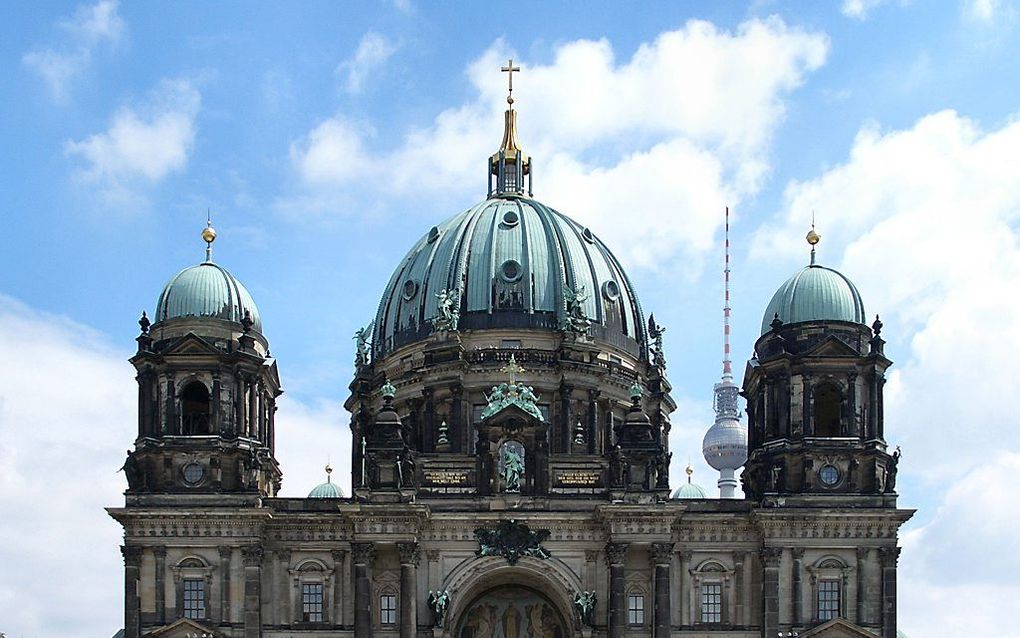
[511,611]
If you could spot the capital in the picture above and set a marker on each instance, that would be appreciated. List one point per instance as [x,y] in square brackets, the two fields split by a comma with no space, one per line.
[364,553]
[225,552]
[132,555]
[410,553]
[252,555]
[339,556]
[770,556]
[662,553]
[616,553]
[890,556]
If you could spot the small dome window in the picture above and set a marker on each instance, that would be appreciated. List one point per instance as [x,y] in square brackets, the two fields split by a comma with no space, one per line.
[433,234]
[588,237]
[193,473]
[611,290]
[511,270]
[511,218]
[410,289]
[829,475]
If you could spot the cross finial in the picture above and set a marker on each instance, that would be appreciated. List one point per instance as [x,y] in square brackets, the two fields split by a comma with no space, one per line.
[510,69]
[512,369]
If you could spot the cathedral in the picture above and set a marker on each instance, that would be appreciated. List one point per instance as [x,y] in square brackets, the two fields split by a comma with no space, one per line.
[510,418]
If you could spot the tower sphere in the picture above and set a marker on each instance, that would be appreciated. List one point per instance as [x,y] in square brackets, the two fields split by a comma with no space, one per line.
[725,444]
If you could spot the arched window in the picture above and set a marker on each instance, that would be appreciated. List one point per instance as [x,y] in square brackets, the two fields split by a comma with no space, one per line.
[829,580]
[193,580]
[828,406]
[711,581]
[195,409]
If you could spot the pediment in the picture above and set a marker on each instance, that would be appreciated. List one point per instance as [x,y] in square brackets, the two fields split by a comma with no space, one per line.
[191,345]
[184,628]
[511,412]
[837,628]
[832,346]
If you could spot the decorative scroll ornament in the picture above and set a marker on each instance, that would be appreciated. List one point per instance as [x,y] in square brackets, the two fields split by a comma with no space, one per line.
[439,602]
[512,393]
[584,602]
[512,540]
[361,340]
[575,319]
[447,310]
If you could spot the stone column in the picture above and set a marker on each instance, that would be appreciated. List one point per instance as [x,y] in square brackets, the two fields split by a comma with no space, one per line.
[410,555]
[862,555]
[457,417]
[159,553]
[615,555]
[684,597]
[889,556]
[253,415]
[171,426]
[225,554]
[770,559]
[739,617]
[797,613]
[252,591]
[284,616]
[216,425]
[662,555]
[132,604]
[339,593]
[364,555]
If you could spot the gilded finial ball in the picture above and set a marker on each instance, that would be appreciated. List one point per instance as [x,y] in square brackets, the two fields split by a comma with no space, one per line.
[329,469]
[689,470]
[209,234]
[813,237]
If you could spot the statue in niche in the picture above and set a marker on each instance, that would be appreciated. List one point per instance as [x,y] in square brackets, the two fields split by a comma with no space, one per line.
[511,463]
[439,602]
[575,321]
[361,340]
[584,602]
[447,310]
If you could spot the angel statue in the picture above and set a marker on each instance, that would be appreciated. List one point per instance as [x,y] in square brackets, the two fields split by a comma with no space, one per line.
[361,339]
[575,320]
[447,310]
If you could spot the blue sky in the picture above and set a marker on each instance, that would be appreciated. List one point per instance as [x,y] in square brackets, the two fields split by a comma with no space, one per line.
[326,138]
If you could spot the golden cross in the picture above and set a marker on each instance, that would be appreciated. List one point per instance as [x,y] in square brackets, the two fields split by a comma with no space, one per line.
[509,69]
[512,369]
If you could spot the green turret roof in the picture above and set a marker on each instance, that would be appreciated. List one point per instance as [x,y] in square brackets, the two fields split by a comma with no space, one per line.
[815,293]
[206,290]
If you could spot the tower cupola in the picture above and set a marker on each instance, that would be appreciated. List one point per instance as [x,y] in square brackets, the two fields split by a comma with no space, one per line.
[510,166]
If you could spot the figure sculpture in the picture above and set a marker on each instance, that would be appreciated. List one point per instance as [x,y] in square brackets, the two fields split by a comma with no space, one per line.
[447,310]
[439,602]
[575,320]
[361,339]
[584,602]
[512,467]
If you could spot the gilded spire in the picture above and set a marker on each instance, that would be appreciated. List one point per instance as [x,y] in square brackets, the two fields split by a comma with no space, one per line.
[208,235]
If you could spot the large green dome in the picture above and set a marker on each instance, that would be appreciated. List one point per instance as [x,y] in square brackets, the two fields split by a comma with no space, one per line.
[206,290]
[513,260]
[815,293]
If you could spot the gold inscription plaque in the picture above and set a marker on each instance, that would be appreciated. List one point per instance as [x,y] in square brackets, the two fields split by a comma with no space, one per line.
[579,478]
[446,477]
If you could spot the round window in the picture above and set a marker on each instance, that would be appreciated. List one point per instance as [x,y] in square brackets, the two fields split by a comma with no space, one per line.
[588,237]
[611,290]
[829,475]
[410,289]
[510,218]
[193,473]
[511,270]
[433,234]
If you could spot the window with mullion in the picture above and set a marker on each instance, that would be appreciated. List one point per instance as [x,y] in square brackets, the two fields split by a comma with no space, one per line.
[388,609]
[711,603]
[194,598]
[311,602]
[636,609]
[828,599]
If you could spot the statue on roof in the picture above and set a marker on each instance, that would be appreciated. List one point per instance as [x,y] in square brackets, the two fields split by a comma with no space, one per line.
[447,310]
[361,339]
[575,320]
[655,331]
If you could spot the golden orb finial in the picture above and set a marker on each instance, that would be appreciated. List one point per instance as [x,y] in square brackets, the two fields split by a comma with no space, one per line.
[690,471]
[329,471]
[208,236]
[813,237]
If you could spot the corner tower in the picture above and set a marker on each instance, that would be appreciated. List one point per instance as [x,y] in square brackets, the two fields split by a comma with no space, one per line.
[814,397]
[207,390]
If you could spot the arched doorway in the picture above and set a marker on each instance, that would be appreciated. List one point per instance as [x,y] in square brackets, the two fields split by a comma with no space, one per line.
[511,611]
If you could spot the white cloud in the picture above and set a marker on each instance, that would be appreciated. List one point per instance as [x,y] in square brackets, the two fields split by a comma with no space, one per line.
[308,436]
[142,145]
[87,29]
[696,101]
[924,220]
[373,51]
[67,412]
[859,9]
[986,11]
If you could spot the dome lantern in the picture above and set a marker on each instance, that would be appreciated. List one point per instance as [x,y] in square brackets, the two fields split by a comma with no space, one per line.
[510,165]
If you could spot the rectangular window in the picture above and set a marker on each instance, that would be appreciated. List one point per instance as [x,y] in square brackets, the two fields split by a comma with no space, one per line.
[711,602]
[828,599]
[194,598]
[311,602]
[388,609]
[635,610]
